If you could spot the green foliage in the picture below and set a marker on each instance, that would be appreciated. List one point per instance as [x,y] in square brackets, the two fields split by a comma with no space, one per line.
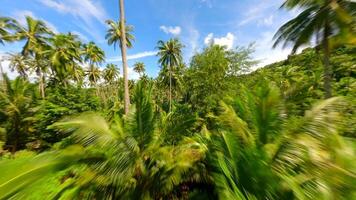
[62,102]
[295,162]
[123,158]
[17,108]
[64,54]
[114,34]
[171,61]
[111,73]
[206,76]
[208,130]
[139,67]
[6,26]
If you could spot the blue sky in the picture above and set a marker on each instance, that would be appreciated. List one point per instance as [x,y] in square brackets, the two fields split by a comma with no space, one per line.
[195,22]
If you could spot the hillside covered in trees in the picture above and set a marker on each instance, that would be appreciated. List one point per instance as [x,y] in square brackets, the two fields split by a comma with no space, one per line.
[211,128]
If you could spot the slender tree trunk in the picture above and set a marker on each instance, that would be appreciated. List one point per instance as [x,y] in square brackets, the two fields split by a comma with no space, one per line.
[1,70]
[327,67]
[123,54]
[16,134]
[170,88]
[40,74]
[41,85]
[2,82]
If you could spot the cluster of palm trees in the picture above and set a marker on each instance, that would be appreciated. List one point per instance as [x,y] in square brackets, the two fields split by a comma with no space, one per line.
[59,56]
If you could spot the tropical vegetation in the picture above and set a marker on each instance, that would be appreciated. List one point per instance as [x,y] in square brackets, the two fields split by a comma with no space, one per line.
[212,128]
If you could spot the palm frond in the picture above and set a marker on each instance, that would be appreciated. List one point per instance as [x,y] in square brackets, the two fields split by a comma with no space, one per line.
[20,173]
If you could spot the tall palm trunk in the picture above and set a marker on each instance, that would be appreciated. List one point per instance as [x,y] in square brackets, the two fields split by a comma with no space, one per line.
[327,67]
[2,81]
[123,54]
[40,74]
[170,88]
[1,70]
[41,85]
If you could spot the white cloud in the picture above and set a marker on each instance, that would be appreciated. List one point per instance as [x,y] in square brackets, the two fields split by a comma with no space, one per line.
[268,21]
[132,74]
[208,39]
[141,55]
[21,18]
[227,41]
[266,54]
[134,56]
[193,39]
[86,11]
[258,12]
[176,30]
[190,39]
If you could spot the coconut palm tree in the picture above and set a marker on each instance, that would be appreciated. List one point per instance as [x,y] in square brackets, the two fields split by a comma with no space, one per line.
[325,20]
[6,26]
[93,73]
[17,105]
[113,34]
[170,56]
[78,75]
[139,67]
[64,54]
[120,33]
[35,34]
[111,73]
[19,63]
[93,54]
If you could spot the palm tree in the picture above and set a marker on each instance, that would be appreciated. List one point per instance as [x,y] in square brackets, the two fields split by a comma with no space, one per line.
[6,26]
[113,34]
[78,75]
[19,63]
[93,54]
[129,162]
[119,33]
[93,73]
[139,67]
[170,54]
[17,105]
[325,20]
[111,73]
[64,54]
[36,35]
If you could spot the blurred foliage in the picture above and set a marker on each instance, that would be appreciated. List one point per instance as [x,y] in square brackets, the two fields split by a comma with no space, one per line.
[62,102]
